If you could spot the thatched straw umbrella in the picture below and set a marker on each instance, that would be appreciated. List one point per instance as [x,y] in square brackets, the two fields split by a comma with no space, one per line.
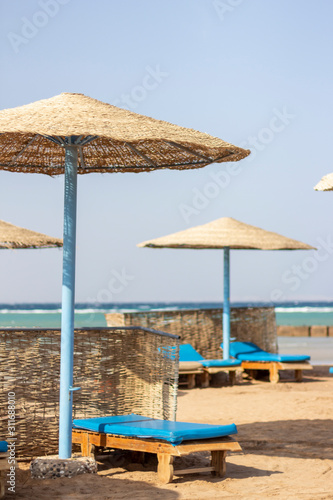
[325,183]
[72,133]
[17,237]
[226,234]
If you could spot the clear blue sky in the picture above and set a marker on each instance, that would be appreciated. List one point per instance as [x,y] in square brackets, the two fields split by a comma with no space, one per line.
[255,73]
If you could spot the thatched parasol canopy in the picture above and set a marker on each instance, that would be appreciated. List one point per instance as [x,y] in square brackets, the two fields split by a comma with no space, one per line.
[325,183]
[226,232]
[109,139]
[17,237]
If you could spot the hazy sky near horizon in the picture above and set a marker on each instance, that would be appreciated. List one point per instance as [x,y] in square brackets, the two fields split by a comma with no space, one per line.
[255,73]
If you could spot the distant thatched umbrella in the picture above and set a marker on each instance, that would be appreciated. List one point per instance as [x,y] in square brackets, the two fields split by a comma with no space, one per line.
[325,183]
[72,133]
[226,234]
[17,237]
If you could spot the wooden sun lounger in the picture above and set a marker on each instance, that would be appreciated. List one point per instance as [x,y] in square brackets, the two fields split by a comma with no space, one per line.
[254,358]
[193,363]
[189,369]
[4,467]
[230,370]
[165,451]
[275,366]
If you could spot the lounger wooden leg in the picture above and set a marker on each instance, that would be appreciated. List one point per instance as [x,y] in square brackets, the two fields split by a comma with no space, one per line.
[232,377]
[191,381]
[298,375]
[205,379]
[165,467]
[219,463]
[274,373]
[87,449]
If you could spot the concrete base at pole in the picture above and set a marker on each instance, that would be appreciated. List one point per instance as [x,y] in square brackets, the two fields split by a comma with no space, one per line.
[52,467]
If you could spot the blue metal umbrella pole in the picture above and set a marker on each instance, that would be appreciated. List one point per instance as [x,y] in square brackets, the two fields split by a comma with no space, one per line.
[226,303]
[68,292]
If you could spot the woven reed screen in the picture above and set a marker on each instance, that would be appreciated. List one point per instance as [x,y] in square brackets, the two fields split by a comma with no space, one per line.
[119,370]
[203,327]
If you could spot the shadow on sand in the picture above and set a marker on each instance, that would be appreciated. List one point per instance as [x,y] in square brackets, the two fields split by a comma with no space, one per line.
[121,461]
[302,438]
[90,486]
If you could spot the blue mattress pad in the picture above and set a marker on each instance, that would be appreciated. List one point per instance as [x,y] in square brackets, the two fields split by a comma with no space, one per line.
[188,353]
[223,363]
[144,427]
[3,446]
[247,351]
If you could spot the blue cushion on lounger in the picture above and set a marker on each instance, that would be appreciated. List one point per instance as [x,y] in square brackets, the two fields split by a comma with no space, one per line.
[188,353]
[247,351]
[223,363]
[331,369]
[144,427]
[3,446]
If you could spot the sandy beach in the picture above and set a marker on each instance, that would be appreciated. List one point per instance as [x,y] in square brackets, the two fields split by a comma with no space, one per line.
[285,430]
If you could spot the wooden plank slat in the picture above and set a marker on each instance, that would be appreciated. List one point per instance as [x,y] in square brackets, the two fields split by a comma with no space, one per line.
[180,472]
[227,444]
[296,366]
[138,444]
[265,365]
[256,365]
[216,369]
[95,438]
[190,372]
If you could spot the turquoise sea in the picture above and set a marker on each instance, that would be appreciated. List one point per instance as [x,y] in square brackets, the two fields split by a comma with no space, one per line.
[92,315]
[49,315]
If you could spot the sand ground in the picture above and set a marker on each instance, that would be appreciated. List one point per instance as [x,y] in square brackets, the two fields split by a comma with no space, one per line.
[285,430]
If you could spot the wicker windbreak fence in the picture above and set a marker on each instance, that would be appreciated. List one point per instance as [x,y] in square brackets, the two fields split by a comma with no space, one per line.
[203,327]
[119,371]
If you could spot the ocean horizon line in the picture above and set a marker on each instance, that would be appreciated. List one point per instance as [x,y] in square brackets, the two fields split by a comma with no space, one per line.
[147,305]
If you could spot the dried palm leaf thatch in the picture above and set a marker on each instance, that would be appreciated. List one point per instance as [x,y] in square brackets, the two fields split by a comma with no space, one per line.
[325,183]
[226,232]
[17,237]
[109,139]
